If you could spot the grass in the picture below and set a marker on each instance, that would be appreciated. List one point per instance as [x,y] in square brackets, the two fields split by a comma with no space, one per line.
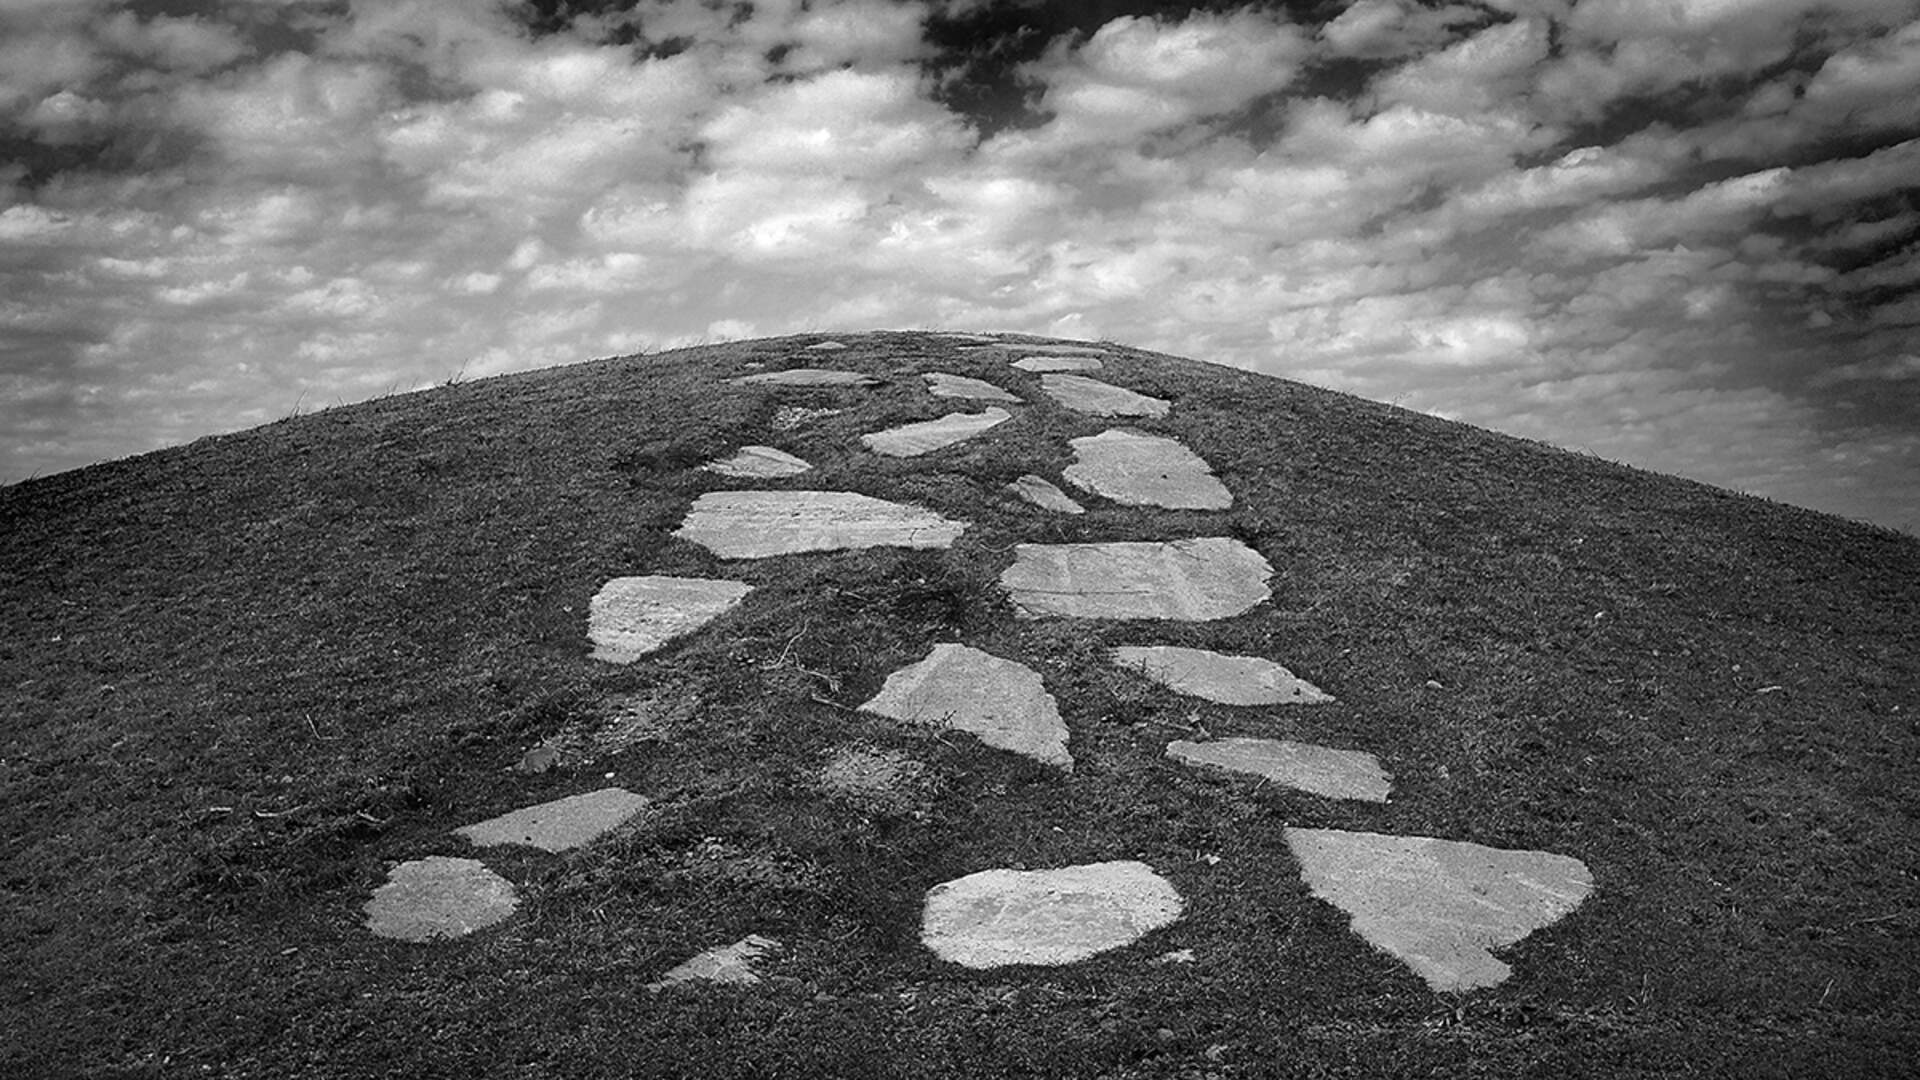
[243,678]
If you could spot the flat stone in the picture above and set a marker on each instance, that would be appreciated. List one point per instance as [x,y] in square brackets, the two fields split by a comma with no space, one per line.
[1001,701]
[724,964]
[560,825]
[632,616]
[809,377]
[759,462]
[1145,470]
[941,384]
[1000,917]
[1320,770]
[439,897]
[1228,680]
[1081,394]
[1440,906]
[828,346]
[758,524]
[1058,363]
[1206,578]
[1056,350]
[926,436]
[1039,492]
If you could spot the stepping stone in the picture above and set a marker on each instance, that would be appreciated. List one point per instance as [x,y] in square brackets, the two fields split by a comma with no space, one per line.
[1000,917]
[1228,680]
[828,346]
[1319,770]
[759,462]
[632,616]
[1145,470]
[941,384]
[1081,394]
[1002,702]
[439,897]
[560,825]
[724,964]
[758,524]
[1058,363]
[1439,905]
[809,377]
[926,436]
[1039,492]
[1206,578]
[1057,350]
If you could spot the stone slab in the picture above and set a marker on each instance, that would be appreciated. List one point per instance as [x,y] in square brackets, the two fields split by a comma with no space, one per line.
[941,384]
[1217,677]
[732,964]
[926,436]
[560,825]
[1050,917]
[1041,364]
[1440,906]
[1319,770]
[1038,491]
[1145,470]
[1091,396]
[632,616]
[760,524]
[759,462]
[439,897]
[1056,349]
[1002,702]
[1205,578]
[828,346]
[809,377]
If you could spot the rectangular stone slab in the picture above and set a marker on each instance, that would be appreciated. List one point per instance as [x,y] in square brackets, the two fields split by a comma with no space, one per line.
[926,436]
[760,524]
[941,384]
[808,377]
[1091,396]
[560,825]
[1228,680]
[1319,770]
[1206,578]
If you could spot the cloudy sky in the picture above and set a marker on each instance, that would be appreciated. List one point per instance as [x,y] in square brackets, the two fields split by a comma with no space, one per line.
[1675,233]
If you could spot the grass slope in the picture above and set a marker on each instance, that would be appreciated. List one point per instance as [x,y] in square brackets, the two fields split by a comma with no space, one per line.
[244,677]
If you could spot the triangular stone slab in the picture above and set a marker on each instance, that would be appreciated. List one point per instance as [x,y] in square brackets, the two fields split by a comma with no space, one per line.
[1206,578]
[1145,470]
[560,825]
[926,436]
[439,897]
[1318,770]
[809,377]
[1228,680]
[941,384]
[1050,917]
[1096,398]
[1058,363]
[1002,702]
[1440,906]
[759,463]
[632,616]
[1038,491]
[724,964]
[760,524]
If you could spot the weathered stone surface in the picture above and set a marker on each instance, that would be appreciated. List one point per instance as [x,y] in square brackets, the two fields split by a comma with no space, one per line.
[758,524]
[560,825]
[941,384]
[1058,363]
[1039,492]
[724,964]
[926,436]
[438,897]
[1439,905]
[999,917]
[632,616]
[1096,398]
[828,346]
[1229,680]
[1206,578]
[809,377]
[1145,470]
[1321,770]
[759,462]
[1002,702]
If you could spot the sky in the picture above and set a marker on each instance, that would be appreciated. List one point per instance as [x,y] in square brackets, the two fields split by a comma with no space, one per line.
[1679,234]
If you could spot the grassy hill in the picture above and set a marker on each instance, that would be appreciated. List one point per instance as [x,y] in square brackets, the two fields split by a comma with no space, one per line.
[242,678]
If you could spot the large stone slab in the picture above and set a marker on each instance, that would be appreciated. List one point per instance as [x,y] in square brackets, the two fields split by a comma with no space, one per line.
[731,964]
[1002,702]
[809,377]
[1091,396]
[1038,491]
[1058,363]
[926,436]
[1000,917]
[1320,770]
[1440,906]
[941,384]
[759,524]
[1206,578]
[1228,680]
[439,897]
[1145,470]
[560,825]
[759,462]
[632,616]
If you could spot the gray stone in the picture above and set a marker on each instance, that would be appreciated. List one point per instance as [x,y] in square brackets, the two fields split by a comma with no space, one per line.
[1145,470]
[1002,702]
[759,462]
[1440,906]
[1229,680]
[560,825]
[439,897]
[725,964]
[1000,917]
[1039,492]
[1206,578]
[1058,363]
[1056,350]
[758,524]
[632,616]
[1096,398]
[926,436]
[809,377]
[828,346]
[941,384]
[1320,770]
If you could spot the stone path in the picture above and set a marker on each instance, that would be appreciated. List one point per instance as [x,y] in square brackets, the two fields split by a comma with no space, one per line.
[632,616]
[941,384]
[1041,492]
[1096,398]
[1145,470]
[1001,701]
[926,436]
[759,524]
[759,463]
